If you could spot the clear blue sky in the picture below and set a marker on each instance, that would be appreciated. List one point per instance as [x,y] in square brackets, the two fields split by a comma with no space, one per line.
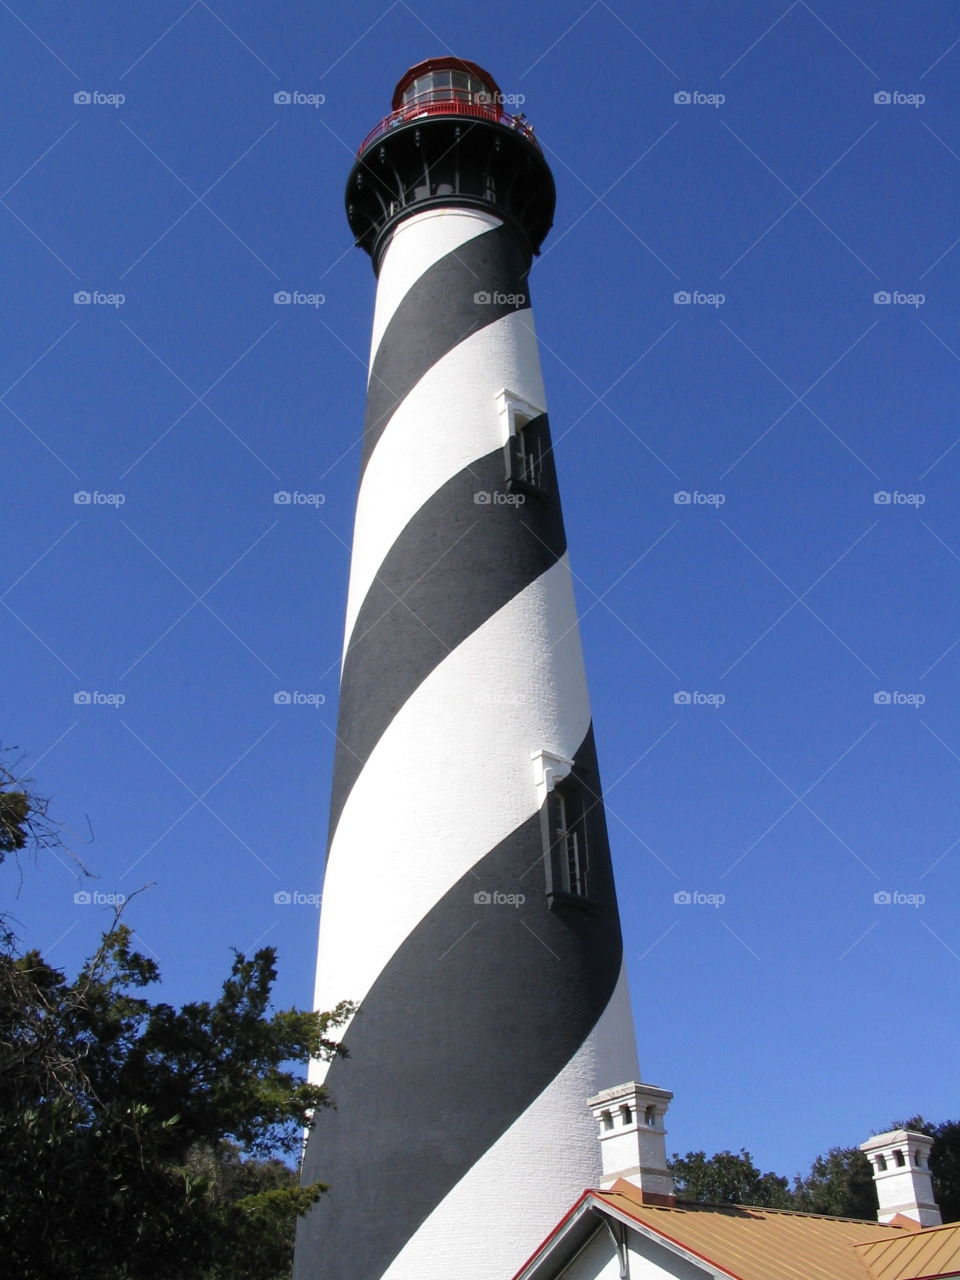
[797,1014]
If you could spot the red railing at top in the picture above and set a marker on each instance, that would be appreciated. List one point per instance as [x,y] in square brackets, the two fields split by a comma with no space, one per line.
[449,107]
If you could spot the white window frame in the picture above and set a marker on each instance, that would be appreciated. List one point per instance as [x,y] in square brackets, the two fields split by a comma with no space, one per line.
[510,406]
[548,769]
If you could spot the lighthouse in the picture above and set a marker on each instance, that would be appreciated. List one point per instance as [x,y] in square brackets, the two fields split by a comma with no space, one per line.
[468,907]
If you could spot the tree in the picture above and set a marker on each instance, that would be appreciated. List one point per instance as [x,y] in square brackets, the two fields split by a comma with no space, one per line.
[944,1161]
[123,1122]
[255,1214]
[139,1141]
[839,1184]
[726,1178]
[24,817]
[14,811]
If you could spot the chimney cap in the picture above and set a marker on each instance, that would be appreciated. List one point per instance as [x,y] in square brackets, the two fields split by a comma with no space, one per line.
[894,1138]
[632,1089]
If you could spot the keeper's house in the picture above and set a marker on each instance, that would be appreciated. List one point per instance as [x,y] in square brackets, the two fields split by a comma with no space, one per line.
[632,1227]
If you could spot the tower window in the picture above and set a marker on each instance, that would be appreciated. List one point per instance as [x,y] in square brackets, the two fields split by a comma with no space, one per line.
[898,1158]
[570,840]
[626,1115]
[607,1119]
[566,844]
[881,1163]
[571,845]
[566,803]
[529,452]
[526,436]
[650,1116]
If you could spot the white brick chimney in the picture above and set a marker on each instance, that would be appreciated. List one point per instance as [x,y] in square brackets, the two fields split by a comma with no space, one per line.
[633,1139]
[900,1161]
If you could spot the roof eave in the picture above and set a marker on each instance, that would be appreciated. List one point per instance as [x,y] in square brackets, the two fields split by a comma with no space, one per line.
[583,1221]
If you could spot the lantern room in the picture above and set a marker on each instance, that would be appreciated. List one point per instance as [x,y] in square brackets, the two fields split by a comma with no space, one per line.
[448,142]
[447,80]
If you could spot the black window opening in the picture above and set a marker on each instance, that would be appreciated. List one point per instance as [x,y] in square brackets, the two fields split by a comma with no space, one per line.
[567,845]
[527,455]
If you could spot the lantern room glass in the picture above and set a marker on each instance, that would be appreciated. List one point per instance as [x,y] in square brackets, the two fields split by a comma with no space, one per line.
[446,86]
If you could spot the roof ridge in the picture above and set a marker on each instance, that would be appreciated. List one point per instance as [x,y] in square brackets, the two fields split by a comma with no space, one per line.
[794,1213]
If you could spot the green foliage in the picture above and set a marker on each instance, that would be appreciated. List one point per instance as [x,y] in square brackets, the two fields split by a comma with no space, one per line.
[14,811]
[122,1122]
[944,1161]
[24,818]
[726,1178]
[839,1184]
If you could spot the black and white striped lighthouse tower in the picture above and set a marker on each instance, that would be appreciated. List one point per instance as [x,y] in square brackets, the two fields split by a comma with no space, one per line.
[468,902]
